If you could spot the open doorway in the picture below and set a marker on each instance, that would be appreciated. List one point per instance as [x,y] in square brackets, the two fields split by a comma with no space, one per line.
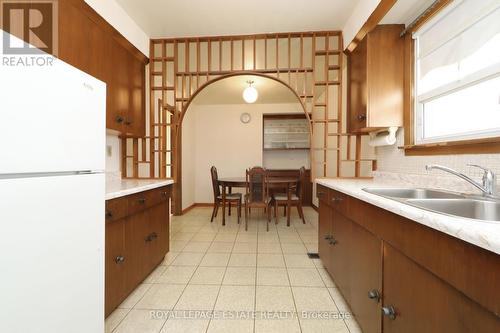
[221,129]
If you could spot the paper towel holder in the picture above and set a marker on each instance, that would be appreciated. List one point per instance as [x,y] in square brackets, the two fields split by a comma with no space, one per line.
[383,137]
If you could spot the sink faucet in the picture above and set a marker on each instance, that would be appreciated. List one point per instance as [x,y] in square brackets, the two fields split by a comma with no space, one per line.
[488,188]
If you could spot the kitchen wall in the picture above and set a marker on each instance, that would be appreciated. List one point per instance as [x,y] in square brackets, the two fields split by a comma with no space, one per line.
[214,135]
[113,151]
[392,159]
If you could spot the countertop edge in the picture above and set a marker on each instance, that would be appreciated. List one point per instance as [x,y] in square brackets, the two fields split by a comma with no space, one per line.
[482,234]
[128,189]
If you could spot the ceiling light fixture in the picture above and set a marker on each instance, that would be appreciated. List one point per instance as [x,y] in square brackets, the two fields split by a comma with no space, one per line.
[250,94]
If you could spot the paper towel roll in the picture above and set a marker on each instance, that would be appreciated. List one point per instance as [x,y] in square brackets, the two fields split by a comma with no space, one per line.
[383,138]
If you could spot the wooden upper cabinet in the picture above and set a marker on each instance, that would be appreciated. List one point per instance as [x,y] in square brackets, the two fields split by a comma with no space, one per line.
[376,69]
[89,43]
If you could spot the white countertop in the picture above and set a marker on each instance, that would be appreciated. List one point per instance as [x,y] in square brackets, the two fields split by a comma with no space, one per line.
[116,188]
[483,234]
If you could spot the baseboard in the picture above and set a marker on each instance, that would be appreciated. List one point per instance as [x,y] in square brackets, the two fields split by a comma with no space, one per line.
[314,207]
[199,204]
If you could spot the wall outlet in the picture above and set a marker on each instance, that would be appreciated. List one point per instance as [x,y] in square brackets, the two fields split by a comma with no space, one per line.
[109,151]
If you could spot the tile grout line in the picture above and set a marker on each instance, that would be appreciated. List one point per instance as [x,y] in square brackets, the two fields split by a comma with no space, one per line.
[290,282]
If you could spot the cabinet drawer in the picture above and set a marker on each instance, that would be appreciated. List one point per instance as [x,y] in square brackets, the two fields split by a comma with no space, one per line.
[143,200]
[161,194]
[339,201]
[322,193]
[116,209]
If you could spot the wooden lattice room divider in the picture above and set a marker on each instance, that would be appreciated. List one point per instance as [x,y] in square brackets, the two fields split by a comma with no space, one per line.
[309,63]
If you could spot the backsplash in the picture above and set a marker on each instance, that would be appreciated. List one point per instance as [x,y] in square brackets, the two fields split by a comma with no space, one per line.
[393,160]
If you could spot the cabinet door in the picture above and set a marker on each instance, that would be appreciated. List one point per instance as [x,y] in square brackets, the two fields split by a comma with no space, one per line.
[74,39]
[136,233]
[158,226]
[340,252]
[116,261]
[366,279]
[357,111]
[135,118]
[324,234]
[424,303]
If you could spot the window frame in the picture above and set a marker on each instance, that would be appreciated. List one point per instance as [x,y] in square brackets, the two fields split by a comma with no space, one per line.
[459,144]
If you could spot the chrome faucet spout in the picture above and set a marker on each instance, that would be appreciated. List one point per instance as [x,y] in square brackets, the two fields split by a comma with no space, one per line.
[488,188]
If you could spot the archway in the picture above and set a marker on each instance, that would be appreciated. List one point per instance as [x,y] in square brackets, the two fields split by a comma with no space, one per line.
[215,108]
[310,63]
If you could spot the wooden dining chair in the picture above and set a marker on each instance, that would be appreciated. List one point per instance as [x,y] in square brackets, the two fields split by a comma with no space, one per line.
[230,197]
[257,193]
[281,199]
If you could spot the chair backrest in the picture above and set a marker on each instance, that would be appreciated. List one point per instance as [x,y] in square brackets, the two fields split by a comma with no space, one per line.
[300,184]
[215,181]
[257,186]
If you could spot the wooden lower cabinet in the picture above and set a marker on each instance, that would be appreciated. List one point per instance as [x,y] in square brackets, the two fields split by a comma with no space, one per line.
[115,267]
[340,250]
[325,234]
[424,303]
[386,268]
[137,239]
[366,278]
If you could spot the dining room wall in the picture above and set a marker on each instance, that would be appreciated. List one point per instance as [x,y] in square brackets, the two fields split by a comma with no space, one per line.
[214,135]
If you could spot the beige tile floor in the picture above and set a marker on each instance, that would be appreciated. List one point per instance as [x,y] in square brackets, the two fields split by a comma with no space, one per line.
[226,279]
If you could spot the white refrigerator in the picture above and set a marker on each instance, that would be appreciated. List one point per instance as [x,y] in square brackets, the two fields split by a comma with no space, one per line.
[52,188]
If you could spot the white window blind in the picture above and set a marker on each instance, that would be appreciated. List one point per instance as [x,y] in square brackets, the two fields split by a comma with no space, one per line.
[458,73]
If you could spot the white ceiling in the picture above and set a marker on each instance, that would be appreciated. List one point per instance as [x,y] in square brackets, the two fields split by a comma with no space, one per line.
[188,18]
[230,90]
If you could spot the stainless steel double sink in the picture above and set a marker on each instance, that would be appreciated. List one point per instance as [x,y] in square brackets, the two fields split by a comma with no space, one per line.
[448,203]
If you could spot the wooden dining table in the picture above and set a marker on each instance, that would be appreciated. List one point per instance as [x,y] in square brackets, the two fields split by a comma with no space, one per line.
[286,183]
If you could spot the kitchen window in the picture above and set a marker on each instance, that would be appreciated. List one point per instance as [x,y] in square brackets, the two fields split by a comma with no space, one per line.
[457,74]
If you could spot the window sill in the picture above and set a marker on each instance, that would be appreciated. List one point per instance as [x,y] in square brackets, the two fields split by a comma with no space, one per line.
[479,146]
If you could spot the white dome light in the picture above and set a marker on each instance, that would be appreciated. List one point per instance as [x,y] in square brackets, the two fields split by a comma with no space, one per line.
[250,94]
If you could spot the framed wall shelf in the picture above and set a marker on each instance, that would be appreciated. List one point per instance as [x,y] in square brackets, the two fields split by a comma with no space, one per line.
[286,132]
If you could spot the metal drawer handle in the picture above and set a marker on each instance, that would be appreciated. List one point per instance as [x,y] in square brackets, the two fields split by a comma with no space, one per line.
[389,311]
[362,117]
[109,214]
[333,241]
[165,194]
[142,201]
[374,295]
[337,199]
[119,259]
[320,194]
[328,237]
[119,119]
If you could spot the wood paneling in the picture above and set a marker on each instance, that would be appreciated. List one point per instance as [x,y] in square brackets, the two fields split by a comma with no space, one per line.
[89,43]
[309,64]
